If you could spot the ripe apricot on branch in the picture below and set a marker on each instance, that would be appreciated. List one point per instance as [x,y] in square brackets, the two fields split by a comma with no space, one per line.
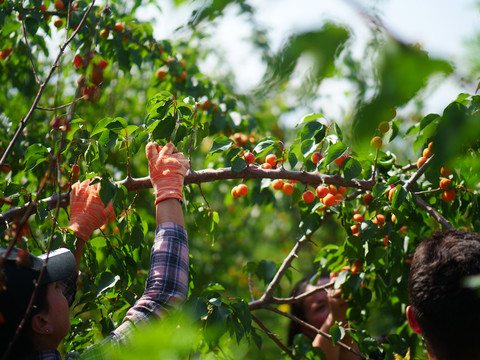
[58,23]
[104,33]
[161,74]
[448,195]
[383,127]
[391,192]
[321,191]
[249,158]
[339,161]
[379,219]
[77,61]
[58,5]
[271,159]
[376,142]
[242,189]
[287,189]
[355,229]
[357,218]
[329,200]
[445,171]
[421,161]
[308,196]
[316,157]
[277,184]
[119,27]
[266,166]
[427,152]
[235,192]
[367,198]
[444,183]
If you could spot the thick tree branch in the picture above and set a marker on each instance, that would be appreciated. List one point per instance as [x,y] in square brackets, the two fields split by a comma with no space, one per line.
[209,175]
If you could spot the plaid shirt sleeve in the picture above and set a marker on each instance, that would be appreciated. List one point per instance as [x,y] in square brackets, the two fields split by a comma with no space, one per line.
[167,281]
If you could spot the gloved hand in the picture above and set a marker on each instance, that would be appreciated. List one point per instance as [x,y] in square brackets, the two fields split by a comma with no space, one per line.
[87,212]
[167,169]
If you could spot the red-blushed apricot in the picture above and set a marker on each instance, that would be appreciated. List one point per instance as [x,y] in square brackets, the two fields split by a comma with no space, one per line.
[77,61]
[308,196]
[293,181]
[355,229]
[391,192]
[342,190]
[394,218]
[376,142]
[266,166]
[181,77]
[332,189]
[356,267]
[104,33]
[277,184]
[75,172]
[339,161]
[58,23]
[379,219]
[287,188]
[385,241]
[444,183]
[448,195]
[161,74]
[242,189]
[316,157]
[119,27]
[445,171]
[249,158]
[235,192]
[367,198]
[338,197]
[271,159]
[321,191]
[58,5]
[329,200]
[383,127]
[421,161]
[357,217]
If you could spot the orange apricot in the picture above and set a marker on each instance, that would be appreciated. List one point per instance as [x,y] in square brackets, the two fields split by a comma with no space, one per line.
[321,191]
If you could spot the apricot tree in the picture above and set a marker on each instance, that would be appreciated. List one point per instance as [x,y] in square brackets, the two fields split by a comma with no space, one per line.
[358,193]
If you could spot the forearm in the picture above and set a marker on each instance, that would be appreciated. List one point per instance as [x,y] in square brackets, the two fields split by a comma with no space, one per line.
[169,210]
[331,352]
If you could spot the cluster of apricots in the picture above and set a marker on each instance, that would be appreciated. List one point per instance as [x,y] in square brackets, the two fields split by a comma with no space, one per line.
[330,195]
[5,52]
[239,138]
[240,190]
[162,72]
[91,91]
[377,141]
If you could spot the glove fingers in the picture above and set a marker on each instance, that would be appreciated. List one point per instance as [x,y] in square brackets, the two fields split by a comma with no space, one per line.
[167,150]
[152,151]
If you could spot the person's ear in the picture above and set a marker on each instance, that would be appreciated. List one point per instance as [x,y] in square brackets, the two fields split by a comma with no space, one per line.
[412,321]
[40,324]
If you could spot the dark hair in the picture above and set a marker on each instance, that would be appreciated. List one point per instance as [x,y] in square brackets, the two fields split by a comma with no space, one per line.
[447,311]
[23,343]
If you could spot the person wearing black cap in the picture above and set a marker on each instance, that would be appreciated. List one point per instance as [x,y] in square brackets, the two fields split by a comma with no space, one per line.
[35,292]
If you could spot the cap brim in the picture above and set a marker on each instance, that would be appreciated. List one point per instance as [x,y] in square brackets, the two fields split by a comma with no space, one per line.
[61,264]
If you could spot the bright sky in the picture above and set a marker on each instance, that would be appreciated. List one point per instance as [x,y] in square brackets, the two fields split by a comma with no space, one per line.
[440,26]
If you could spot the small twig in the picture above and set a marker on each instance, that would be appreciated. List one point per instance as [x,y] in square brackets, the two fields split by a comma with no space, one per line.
[435,214]
[409,184]
[274,337]
[60,106]
[302,296]
[29,52]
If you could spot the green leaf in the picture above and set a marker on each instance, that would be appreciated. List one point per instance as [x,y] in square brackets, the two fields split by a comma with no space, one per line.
[35,155]
[221,143]
[337,332]
[263,147]
[292,159]
[351,168]
[307,147]
[266,270]
[310,129]
[334,152]
[31,24]
[107,191]
[238,163]
[379,189]
[399,196]
[308,118]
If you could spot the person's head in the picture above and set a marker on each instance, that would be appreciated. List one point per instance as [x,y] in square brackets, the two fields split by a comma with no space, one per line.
[443,309]
[313,310]
[47,322]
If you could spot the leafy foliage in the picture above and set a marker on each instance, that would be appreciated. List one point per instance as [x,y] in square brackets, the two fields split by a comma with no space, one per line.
[116,87]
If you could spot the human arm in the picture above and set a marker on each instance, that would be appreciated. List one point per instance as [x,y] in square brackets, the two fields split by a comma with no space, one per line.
[167,282]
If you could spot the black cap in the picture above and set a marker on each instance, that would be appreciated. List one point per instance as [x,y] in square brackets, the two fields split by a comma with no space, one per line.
[18,276]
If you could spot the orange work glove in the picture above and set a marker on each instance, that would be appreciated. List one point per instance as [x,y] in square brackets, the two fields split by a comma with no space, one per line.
[167,169]
[87,212]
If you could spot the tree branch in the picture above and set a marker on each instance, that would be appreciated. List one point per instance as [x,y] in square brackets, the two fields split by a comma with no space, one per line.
[273,337]
[24,121]
[209,175]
